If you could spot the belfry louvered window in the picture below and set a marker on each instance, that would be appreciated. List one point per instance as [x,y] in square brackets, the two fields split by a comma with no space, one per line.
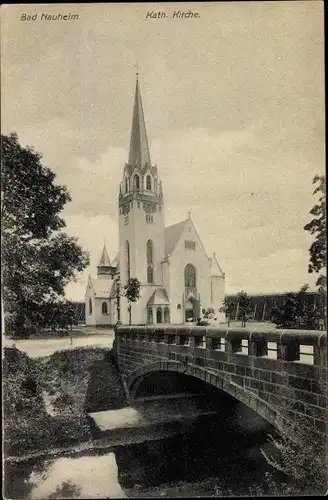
[150,261]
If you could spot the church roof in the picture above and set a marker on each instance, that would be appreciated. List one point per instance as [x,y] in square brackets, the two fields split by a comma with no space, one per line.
[104,259]
[215,267]
[172,235]
[139,151]
[116,261]
[158,297]
[102,287]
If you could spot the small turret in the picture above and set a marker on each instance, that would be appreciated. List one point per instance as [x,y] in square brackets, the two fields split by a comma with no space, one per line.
[104,267]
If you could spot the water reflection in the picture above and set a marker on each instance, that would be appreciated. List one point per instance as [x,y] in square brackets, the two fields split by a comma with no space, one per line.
[207,454]
[66,490]
[85,477]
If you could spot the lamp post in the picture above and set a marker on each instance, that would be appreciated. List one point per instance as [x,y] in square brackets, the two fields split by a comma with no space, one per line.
[118,304]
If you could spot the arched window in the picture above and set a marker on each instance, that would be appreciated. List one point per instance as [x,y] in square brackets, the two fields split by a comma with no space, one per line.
[126,185]
[150,252]
[148,182]
[190,276]
[137,181]
[150,261]
[158,315]
[127,258]
[104,308]
[150,315]
[166,315]
[90,306]
[150,275]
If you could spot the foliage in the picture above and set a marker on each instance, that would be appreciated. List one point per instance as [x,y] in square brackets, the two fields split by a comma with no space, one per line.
[240,302]
[296,312]
[245,304]
[132,293]
[65,374]
[300,460]
[39,260]
[229,305]
[209,313]
[26,422]
[59,314]
[317,227]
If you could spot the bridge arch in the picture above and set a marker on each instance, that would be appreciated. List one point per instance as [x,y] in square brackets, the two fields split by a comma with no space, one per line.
[251,400]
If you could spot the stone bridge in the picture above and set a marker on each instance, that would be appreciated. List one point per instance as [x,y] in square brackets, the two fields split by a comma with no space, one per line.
[280,374]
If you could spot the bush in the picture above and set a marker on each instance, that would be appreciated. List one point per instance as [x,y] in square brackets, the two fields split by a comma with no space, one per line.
[15,360]
[301,460]
[63,400]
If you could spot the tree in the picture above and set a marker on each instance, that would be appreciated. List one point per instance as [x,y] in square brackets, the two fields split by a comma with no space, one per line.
[59,314]
[229,306]
[39,260]
[296,312]
[244,303]
[132,293]
[317,227]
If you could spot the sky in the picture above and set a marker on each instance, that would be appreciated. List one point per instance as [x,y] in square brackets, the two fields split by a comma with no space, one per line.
[234,109]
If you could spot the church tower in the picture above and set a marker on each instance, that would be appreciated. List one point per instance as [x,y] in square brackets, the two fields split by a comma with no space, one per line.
[141,217]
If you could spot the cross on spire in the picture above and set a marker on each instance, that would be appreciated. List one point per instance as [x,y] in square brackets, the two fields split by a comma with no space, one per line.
[137,68]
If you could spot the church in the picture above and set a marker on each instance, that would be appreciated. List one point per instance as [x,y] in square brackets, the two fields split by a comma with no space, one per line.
[179,281]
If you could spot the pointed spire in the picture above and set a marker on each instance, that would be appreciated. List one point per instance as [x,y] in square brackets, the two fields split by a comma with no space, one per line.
[139,151]
[104,259]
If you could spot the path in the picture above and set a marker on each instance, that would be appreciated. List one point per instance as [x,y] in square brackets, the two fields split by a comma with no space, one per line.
[46,346]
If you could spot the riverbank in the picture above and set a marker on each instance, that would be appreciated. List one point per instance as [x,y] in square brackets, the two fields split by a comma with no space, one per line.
[46,400]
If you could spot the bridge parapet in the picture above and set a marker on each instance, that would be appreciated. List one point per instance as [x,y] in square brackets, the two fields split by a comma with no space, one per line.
[265,369]
[251,341]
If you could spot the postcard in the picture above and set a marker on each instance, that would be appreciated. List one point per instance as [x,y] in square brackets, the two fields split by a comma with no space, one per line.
[163,268]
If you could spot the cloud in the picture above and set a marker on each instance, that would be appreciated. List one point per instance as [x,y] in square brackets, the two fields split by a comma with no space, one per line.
[235,122]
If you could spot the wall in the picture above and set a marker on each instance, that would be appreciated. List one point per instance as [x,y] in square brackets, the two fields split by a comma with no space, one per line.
[138,232]
[90,319]
[218,291]
[179,259]
[102,319]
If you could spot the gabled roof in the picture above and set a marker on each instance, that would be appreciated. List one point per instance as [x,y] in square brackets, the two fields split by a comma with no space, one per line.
[102,287]
[158,297]
[116,261]
[215,267]
[172,235]
[104,259]
[139,151]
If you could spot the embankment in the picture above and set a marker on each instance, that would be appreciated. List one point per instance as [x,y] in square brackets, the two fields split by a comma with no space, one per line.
[46,400]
